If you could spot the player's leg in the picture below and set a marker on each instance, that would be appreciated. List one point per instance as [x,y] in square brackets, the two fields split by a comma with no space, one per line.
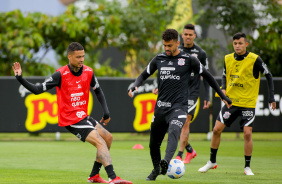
[107,137]
[248,116]
[176,121]
[184,136]
[104,157]
[158,131]
[225,118]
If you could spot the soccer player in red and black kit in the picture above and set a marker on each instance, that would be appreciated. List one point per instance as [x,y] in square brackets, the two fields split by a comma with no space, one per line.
[170,113]
[73,83]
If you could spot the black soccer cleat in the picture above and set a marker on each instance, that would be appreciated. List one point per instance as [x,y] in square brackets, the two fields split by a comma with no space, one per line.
[164,166]
[154,174]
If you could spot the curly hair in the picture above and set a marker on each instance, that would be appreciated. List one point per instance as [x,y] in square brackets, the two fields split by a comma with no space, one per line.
[170,34]
[74,46]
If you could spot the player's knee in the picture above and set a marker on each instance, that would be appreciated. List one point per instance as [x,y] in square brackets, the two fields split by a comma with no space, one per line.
[248,135]
[216,131]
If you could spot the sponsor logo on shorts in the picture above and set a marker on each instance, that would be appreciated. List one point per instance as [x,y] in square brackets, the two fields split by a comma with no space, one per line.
[176,122]
[247,113]
[226,115]
[163,104]
[191,102]
[78,136]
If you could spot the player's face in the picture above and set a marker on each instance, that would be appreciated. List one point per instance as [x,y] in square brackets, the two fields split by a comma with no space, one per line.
[171,47]
[188,37]
[240,46]
[76,58]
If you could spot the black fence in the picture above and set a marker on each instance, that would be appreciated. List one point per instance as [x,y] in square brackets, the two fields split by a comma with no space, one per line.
[21,111]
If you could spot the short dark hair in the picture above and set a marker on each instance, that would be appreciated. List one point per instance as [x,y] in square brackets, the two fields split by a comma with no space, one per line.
[74,46]
[189,26]
[170,34]
[239,35]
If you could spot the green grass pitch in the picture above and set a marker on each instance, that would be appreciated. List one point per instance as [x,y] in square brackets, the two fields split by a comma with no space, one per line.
[35,160]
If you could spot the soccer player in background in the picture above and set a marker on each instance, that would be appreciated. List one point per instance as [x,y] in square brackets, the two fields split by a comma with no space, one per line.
[73,83]
[170,113]
[191,48]
[240,82]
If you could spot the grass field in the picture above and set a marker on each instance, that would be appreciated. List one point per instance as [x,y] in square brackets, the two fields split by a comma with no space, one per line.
[27,159]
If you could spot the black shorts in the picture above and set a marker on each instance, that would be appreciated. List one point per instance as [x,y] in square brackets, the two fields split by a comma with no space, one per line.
[82,128]
[228,116]
[192,104]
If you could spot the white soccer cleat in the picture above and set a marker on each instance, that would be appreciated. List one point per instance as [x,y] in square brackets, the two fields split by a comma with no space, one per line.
[208,166]
[248,171]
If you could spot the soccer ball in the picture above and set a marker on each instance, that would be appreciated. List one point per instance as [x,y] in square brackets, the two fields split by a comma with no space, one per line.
[176,169]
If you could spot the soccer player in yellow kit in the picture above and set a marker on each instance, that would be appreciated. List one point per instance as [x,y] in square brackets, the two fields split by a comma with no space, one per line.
[240,82]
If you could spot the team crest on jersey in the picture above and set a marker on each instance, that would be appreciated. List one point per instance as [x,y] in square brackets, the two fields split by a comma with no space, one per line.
[226,115]
[181,61]
[195,55]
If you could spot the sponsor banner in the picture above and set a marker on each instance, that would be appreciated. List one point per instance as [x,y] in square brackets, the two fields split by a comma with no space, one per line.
[265,120]
[21,111]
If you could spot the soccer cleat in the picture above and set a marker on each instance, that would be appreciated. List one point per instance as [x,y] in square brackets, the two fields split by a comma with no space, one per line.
[208,166]
[96,179]
[248,171]
[189,157]
[119,181]
[164,166]
[178,158]
[154,174]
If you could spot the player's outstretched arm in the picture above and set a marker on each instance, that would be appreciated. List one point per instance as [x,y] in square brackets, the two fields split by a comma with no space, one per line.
[53,81]
[212,82]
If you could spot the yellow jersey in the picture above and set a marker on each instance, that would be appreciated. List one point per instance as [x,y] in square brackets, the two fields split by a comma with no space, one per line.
[241,86]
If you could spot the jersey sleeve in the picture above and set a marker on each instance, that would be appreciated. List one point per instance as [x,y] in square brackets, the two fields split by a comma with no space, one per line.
[223,80]
[149,70]
[204,59]
[100,96]
[260,66]
[53,81]
[94,82]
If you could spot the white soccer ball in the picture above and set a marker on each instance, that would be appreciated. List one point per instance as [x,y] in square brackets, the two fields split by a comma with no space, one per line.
[176,169]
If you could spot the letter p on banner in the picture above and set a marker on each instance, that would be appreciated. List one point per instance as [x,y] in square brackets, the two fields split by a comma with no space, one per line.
[144,105]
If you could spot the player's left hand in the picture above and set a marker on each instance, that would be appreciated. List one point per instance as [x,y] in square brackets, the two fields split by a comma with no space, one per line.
[206,104]
[105,121]
[272,105]
[227,104]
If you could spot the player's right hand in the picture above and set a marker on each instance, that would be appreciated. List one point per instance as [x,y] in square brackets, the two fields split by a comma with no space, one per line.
[155,91]
[17,69]
[130,92]
[105,121]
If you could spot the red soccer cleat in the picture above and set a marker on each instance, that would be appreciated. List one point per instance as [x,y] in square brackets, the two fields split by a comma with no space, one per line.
[119,181]
[96,179]
[178,158]
[189,157]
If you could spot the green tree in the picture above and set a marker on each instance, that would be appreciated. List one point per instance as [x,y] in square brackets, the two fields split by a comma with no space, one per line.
[242,16]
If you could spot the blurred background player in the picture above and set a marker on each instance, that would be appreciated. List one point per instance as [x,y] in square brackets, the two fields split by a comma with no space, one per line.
[240,82]
[73,83]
